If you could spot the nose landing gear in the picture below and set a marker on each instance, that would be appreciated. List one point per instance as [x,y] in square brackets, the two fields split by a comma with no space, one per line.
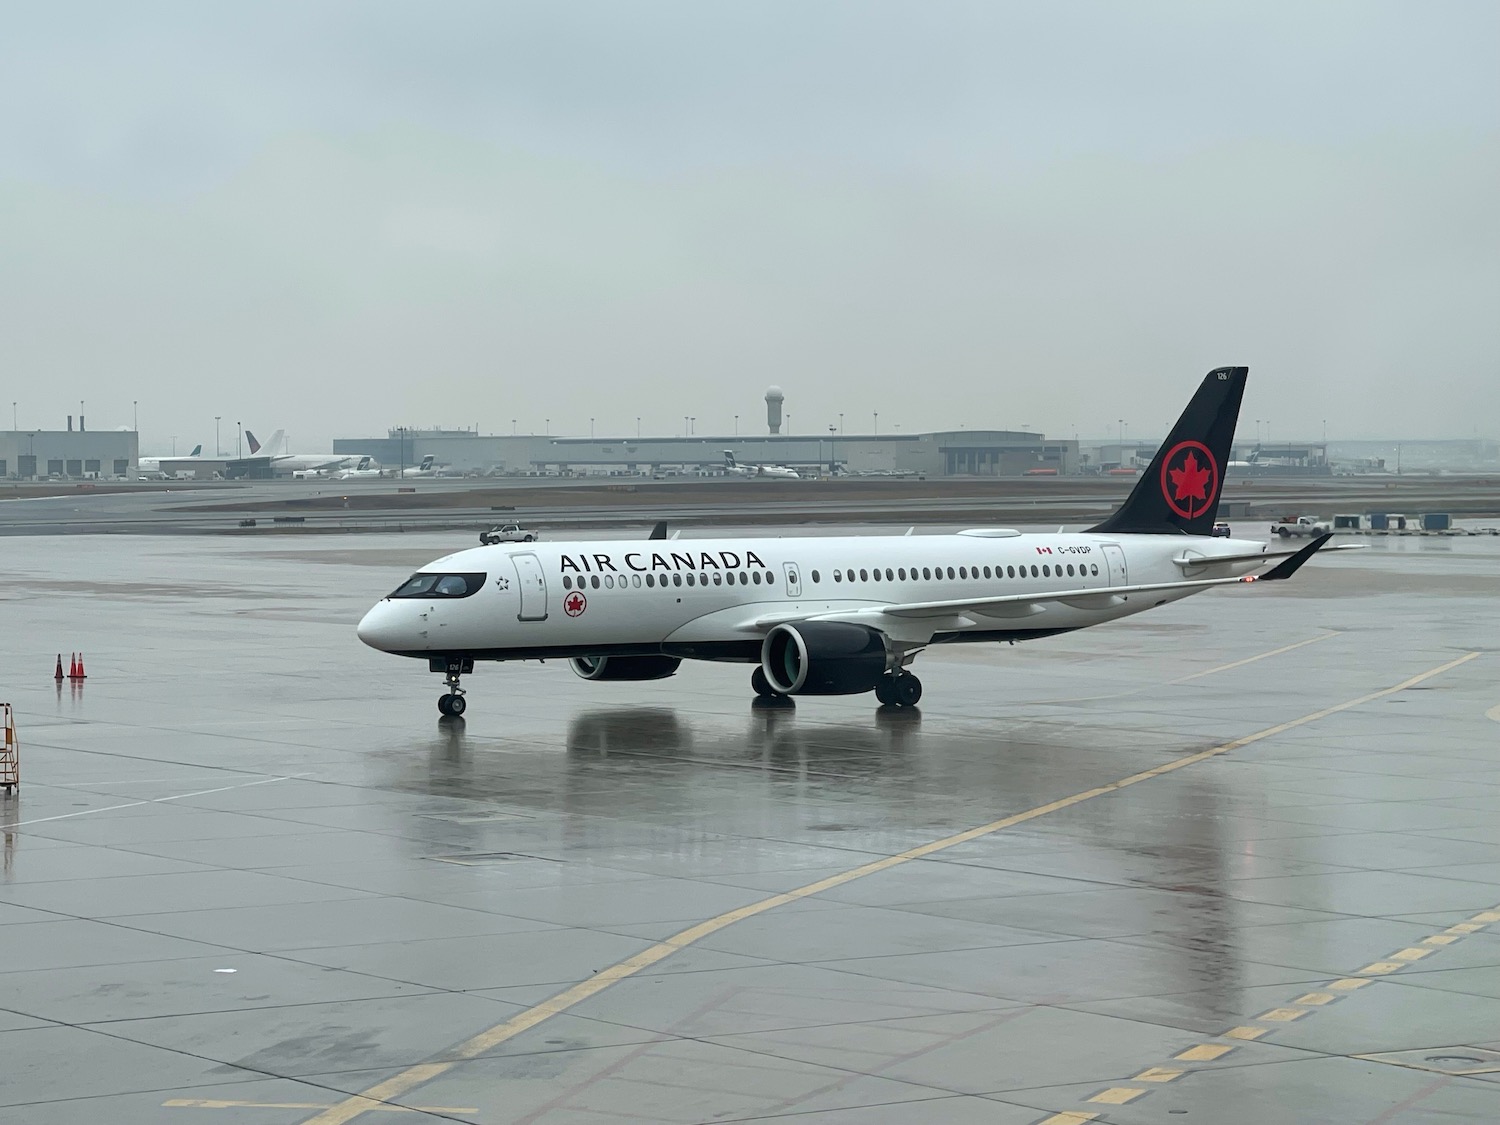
[452,705]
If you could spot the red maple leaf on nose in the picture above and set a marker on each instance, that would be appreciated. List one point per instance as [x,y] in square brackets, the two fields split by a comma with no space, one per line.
[1191,481]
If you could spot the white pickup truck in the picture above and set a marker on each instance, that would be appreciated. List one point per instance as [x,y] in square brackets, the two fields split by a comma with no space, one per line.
[508,533]
[1300,525]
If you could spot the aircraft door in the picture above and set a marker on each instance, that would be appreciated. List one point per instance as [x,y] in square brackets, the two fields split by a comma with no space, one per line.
[533,586]
[1115,557]
[793,580]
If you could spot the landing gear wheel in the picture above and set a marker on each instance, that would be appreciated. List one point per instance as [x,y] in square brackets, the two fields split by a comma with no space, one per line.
[761,685]
[456,705]
[885,691]
[908,690]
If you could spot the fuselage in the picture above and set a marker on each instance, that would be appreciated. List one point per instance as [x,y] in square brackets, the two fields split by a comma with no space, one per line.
[710,599]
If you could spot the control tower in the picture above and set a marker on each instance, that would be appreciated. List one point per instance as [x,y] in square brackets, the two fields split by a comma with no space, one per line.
[774,399]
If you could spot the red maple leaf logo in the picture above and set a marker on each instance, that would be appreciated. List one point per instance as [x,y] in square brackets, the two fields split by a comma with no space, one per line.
[1191,481]
[573,604]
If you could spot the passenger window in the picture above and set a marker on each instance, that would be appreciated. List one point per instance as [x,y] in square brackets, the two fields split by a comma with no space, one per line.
[1094,568]
[1046,571]
[963,572]
[651,580]
[594,581]
[636,581]
[677,579]
[703,580]
[755,576]
[950,572]
[609,582]
[1010,572]
[927,574]
[901,573]
[689,579]
[567,582]
[718,579]
[838,575]
[770,577]
[875,574]
[744,579]
[890,575]
[815,576]
[864,575]
[729,578]
[1034,572]
[1070,570]
[986,572]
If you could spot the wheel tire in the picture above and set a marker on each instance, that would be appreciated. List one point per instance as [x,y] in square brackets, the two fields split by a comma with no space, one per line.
[761,685]
[908,691]
[528,539]
[885,691]
[1283,532]
[445,704]
[457,704]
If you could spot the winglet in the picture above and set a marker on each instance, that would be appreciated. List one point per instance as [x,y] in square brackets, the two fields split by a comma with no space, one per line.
[1289,566]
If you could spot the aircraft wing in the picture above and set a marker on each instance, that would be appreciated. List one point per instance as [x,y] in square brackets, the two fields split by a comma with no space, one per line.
[968,613]
[1185,560]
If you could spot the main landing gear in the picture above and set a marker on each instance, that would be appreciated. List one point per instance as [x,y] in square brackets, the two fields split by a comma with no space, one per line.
[452,705]
[900,689]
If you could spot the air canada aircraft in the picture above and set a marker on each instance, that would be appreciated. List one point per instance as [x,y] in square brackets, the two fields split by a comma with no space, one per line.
[835,615]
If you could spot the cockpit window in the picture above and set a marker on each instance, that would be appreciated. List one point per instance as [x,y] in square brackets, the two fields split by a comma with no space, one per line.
[439,586]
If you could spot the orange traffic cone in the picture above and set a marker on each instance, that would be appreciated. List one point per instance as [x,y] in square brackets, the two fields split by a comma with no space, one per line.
[82,675]
[59,674]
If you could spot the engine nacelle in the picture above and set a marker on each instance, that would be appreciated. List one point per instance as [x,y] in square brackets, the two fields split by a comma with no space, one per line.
[823,658]
[625,667]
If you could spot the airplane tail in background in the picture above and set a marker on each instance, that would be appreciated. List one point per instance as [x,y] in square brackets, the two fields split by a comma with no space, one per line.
[197,451]
[426,462]
[729,462]
[254,445]
[1179,493]
[277,444]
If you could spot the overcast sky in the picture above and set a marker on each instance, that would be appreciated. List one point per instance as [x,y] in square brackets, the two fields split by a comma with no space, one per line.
[339,217]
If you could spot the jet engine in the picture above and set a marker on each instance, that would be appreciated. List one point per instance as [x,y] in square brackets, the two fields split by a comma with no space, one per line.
[625,667]
[823,658]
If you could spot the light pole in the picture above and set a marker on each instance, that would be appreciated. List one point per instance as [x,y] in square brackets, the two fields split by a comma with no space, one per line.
[841,423]
[833,457]
[174,445]
[637,427]
[239,442]
[216,436]
[401,438]
[135,415]
[591,429]
[877,423]
[736,425]
[548,423]
[789,423]
[512,427]
[13,424]
[692,424]
[684,425]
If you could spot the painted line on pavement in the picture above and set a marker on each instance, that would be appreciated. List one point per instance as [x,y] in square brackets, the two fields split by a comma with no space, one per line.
[399,1084]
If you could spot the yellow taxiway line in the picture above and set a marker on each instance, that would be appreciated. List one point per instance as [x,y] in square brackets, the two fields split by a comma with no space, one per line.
[382,1094]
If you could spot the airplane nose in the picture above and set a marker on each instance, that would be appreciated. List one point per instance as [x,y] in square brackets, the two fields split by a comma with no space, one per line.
[382,628]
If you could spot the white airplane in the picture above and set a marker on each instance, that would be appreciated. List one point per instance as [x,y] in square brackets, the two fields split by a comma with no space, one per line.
[301,466]
[425,469]
[168,466]
[832,615]
[768,472]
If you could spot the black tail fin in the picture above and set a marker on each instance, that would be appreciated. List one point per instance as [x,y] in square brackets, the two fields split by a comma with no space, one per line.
[1179,493]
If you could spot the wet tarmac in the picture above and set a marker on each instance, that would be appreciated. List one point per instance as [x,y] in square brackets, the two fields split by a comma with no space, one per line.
[1234,861]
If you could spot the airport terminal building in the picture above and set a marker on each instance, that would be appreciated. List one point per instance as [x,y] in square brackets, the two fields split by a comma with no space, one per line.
[67,454]
[985,453]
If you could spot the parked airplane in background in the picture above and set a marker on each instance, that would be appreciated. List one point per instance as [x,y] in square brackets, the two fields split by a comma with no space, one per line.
[832,615]
[769,472]
[365,467]
[425,469]
[162,467]
[270,459]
